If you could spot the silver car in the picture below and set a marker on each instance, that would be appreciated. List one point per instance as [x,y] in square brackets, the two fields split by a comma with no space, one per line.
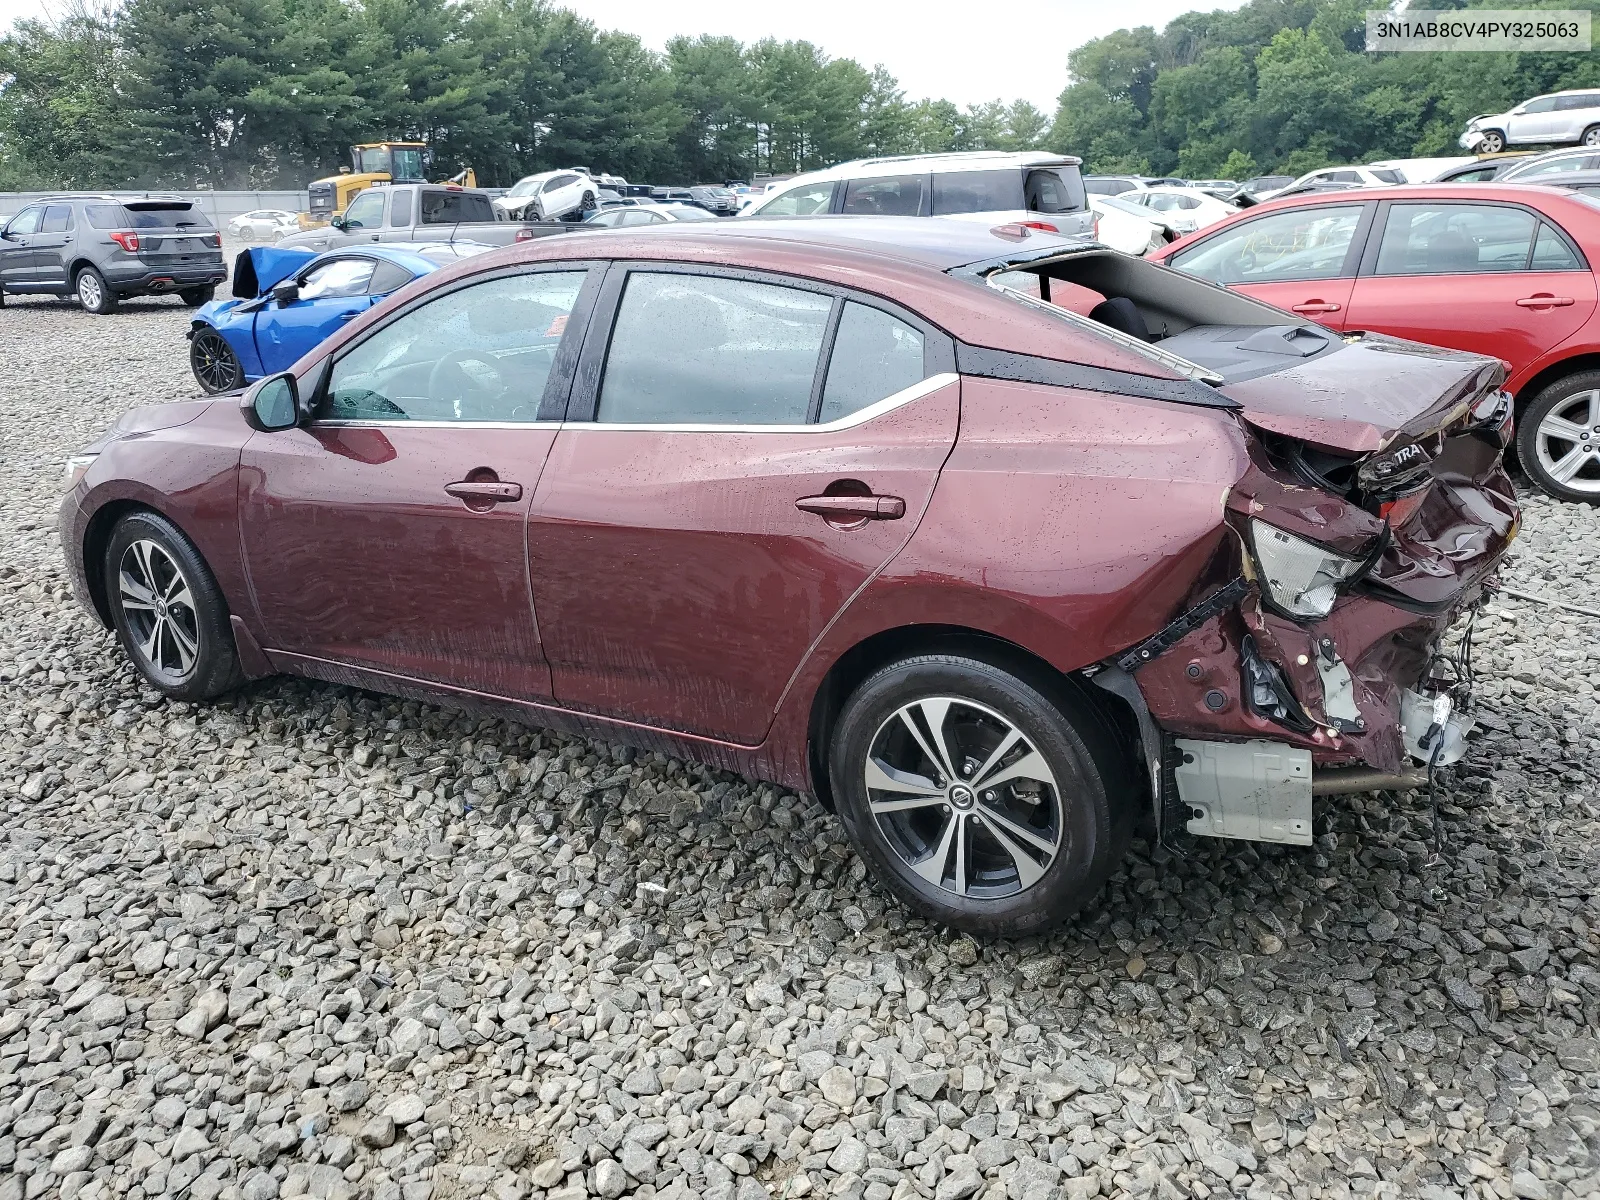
[1560,118]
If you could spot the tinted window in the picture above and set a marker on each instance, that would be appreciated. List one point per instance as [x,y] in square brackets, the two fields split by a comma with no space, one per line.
[896,196]
[1551,252]
[703,349]
[976,191]
[1342,176]
[1585,100]
[556,182]
[26,221]
[339,278]
[400,210]
[1475,174]
[1109,187]
[874,356]
[446,208]
[482,353]
[1055,190]
[165,216]
[1388,175]
[57,219]
[1455,239]
[387,277]
[1307,243]
[105,216]
[365,211]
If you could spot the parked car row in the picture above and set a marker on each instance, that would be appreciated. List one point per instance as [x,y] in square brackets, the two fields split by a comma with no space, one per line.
[919,516]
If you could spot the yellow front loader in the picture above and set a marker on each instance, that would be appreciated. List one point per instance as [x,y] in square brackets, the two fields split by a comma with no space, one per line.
[371,163]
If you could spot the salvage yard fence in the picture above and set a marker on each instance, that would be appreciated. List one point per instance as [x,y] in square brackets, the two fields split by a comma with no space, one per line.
[221,207]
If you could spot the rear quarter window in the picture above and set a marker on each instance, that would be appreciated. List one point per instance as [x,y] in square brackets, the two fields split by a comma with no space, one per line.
[105,216]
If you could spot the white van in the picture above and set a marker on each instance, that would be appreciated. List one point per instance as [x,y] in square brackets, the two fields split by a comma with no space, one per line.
[1040,190]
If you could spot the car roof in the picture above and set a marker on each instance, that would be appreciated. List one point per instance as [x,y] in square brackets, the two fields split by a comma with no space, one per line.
[969,160]
[1512,193]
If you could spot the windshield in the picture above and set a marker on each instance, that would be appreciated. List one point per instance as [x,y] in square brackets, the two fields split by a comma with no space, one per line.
[401,164]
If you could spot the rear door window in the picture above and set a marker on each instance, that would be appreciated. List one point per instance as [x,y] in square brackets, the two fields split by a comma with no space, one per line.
[57,219]
[1302,244]
[874,356]
[1455,239]
[702,349]
[891,196]
[977,191]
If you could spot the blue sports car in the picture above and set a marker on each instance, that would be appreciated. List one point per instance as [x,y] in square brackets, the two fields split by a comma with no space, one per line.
[286,301]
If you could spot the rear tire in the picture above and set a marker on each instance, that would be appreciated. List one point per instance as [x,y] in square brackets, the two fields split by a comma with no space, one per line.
[1558,439]
[1492,142]
[195,297]
[1013,858]
[1591,136]
[93,293]
[169,614]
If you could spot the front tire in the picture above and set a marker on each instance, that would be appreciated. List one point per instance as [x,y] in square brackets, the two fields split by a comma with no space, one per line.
[93,294]
[1558,439]
[195,297]
[216,367]
[168,612]
[981,800]
[1492,142]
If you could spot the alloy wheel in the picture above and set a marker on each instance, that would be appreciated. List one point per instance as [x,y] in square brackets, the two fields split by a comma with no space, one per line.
[214,362]
[160,609]
[1567,442]
[964,798]
[1591,137]
[90,294]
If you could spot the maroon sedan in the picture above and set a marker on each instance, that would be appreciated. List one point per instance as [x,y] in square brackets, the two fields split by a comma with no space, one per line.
[1001,544]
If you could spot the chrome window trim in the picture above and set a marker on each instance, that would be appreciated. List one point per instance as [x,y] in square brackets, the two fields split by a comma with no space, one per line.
[860,417]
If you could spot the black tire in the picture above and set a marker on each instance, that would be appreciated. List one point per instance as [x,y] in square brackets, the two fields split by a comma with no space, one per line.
[94,294]
[195,297]
[1545,454]
[1086,811]
[181,641]
[216,367]
[1492,142]
[1591,136]
[588,204]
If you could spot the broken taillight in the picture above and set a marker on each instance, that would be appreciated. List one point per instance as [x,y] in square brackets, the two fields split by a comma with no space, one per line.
[1400,509]
[127,239]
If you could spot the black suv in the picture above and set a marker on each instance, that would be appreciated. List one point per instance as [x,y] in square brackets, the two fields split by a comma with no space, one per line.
[102,249]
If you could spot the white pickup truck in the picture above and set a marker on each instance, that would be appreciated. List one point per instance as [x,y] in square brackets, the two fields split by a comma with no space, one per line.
[419,212]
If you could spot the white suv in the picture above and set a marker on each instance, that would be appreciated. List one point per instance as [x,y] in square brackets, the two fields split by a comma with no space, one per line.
[1042,191]
[550,195]
[1556,119]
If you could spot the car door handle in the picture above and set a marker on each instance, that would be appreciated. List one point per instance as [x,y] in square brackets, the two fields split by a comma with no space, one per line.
[348,316]
[1315,306]
[866,508]
[1544,300]
[484,491]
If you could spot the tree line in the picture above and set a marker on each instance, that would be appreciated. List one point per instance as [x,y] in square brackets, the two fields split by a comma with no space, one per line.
[271,93]
[1287,86]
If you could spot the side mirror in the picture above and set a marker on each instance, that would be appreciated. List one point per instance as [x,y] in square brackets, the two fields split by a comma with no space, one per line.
[286,292]
[273,404]
[338,222]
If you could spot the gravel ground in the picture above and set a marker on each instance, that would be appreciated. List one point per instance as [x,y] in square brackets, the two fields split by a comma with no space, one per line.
[311,941]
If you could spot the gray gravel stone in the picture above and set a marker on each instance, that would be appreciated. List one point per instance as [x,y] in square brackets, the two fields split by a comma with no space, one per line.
[233,935]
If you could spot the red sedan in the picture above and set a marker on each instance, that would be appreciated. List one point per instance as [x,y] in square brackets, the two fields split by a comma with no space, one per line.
[845,504]
[1496,269]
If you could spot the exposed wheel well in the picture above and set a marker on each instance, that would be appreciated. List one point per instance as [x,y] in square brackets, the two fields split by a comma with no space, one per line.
[95,539]
[866,657]
[1555,371]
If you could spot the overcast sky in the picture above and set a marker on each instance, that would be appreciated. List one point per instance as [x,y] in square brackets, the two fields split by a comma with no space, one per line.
[964,52]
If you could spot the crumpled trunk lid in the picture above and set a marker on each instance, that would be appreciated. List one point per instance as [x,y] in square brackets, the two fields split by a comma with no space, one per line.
[1373,393]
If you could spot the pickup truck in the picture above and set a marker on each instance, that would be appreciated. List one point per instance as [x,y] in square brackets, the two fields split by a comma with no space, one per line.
[419,212]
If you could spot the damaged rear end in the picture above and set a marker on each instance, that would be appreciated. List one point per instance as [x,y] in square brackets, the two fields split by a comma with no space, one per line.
[1358,545]
[1311,656]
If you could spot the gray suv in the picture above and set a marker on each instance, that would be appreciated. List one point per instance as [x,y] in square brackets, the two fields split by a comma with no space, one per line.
[102,249]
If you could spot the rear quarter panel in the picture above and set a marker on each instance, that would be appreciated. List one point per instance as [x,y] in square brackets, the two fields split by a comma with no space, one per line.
[1071,523]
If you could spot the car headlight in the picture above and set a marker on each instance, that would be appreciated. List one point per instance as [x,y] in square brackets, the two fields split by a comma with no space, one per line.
[1300,577]
[74,470]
